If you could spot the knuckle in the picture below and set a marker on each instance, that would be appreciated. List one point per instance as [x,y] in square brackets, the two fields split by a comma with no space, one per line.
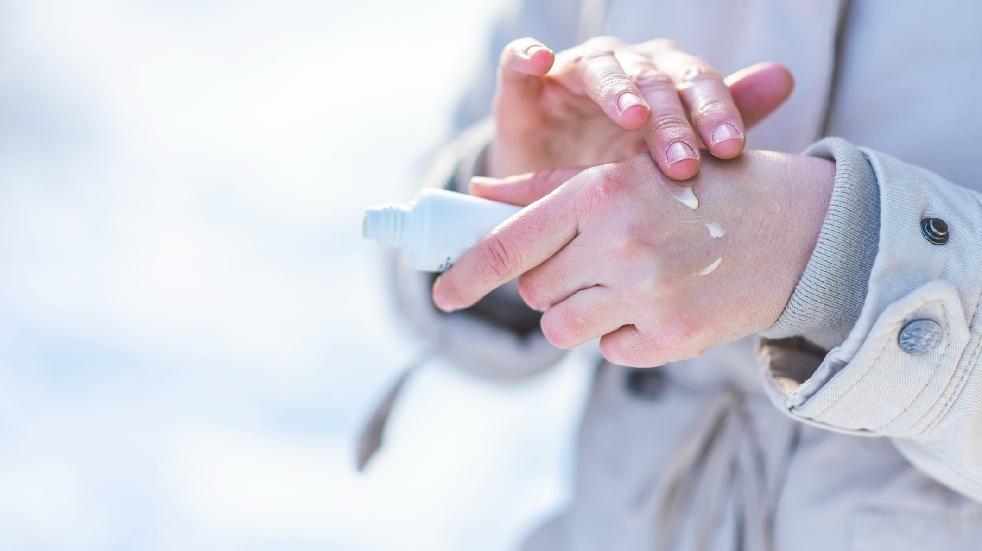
[601,188]
[712,106]
[635,352]
[561,327]
[687,334]
[700,72]
[594,51]
[649,77]
[554,334]
[677,339]
[669,122]
[628,241]
[659,279]
[617,353]
[497,259]
[585,58]
[613,83]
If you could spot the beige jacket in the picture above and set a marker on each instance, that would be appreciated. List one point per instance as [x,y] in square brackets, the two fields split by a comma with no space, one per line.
[873,447]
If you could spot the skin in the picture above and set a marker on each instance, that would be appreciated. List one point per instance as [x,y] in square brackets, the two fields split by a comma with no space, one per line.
[608,252]
[604,101]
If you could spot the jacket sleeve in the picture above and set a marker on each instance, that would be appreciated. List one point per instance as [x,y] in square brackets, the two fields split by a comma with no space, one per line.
[909,367]
[499,337]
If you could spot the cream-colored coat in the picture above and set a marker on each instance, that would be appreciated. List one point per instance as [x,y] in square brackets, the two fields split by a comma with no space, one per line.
[879,449]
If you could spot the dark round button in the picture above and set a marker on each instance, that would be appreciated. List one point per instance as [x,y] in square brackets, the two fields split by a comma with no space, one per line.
[648,383]
[935,230]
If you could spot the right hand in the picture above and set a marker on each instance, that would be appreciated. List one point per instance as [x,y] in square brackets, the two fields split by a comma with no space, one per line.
[605,101]
[613,252]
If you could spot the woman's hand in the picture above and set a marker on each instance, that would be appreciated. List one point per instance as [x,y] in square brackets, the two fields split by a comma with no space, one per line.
[622,253]
[604,101]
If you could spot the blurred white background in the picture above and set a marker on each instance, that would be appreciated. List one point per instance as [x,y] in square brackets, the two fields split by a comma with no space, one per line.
[192,331]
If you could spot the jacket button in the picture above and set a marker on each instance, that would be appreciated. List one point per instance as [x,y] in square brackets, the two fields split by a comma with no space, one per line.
[920,336]
[648,383]
[935,230]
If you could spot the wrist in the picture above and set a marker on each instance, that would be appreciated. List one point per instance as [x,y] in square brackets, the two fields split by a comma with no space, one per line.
[832,290]
[813,184]
[791,200]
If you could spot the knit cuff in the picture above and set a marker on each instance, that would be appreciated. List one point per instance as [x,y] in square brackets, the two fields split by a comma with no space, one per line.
[830,295]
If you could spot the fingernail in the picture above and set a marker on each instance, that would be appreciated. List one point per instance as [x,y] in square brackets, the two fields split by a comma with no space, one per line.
[533,49]
[725,131]
[627,99]
[680,151]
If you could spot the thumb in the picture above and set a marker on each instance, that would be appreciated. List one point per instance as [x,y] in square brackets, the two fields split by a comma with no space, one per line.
[523,189]
[759,89]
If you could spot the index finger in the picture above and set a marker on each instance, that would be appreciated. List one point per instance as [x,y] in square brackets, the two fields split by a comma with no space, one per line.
[516,246]
[592,70]
[669,135]
[708,100]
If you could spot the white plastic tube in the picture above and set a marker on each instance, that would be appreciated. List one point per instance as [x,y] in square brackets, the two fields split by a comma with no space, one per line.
[436,227]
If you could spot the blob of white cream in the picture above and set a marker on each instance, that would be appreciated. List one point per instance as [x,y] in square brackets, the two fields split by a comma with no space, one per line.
[685,196]
[709,269]
[715,230]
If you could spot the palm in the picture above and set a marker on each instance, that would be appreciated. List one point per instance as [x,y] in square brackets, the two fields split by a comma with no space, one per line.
[559,129]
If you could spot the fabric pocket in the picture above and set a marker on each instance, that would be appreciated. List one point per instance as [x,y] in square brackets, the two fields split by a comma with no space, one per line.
[876,530]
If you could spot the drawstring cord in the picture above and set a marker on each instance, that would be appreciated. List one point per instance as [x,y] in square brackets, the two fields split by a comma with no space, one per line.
[723,464]
[371,436]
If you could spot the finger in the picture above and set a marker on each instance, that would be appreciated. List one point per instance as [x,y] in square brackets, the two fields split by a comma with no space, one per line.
[517,245]
[522,64]
[759,89]
[594,71]
[666,336]
[523,189]
[670,138]
[619,346]
[586,315]
[629,347]
[707,100]
[561,276]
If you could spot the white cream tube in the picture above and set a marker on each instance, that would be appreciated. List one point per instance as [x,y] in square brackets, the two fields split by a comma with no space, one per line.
[436,227]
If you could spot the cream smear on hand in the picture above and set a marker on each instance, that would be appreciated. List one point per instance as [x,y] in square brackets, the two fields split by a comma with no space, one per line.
[709,269]
[715,230]
[686,196]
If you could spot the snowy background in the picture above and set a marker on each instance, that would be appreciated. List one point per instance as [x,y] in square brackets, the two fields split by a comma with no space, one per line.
[192,330]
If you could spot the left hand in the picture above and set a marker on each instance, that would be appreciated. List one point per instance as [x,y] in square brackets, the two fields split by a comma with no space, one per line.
[612,253]
[604,101]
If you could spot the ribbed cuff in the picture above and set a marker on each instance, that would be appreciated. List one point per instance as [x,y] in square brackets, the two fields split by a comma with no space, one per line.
[829,298]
